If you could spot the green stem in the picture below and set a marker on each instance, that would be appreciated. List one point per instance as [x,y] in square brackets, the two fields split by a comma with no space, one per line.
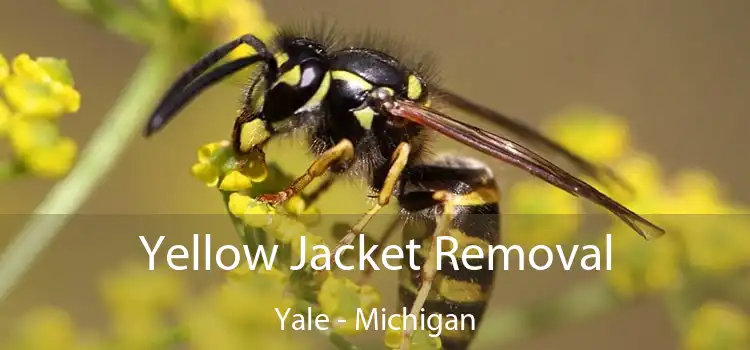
[113,135]
[581,302]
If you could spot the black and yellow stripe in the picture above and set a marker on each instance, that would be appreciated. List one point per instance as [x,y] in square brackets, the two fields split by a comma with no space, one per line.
[475,221]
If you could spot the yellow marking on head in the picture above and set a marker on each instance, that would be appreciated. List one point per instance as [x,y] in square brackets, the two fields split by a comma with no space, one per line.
[365,117]
[351,78]
[414,88]
[460,291]
[320,94]
[252,134]
[484,195]
[291,77]
[281,58]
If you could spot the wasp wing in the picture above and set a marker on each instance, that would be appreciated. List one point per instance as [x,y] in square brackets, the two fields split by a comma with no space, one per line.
[517,155]
[529,134]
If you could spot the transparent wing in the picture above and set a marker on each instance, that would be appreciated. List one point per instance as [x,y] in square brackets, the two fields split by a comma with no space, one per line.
[529,134]
[513,153]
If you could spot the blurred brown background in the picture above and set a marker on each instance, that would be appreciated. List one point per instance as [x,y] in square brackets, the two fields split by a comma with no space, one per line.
[676,69]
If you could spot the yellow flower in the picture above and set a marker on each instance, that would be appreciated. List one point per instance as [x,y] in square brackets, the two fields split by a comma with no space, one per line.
[714,237]
[44,69]
[43,151]
[234,18]
[715,234]
[37,92]
[206,173]
[244,17]
[696,192]
[215,160]
[295,205]
[640,266]
[238,274]
[53,161]
[703,231]
[6,117]
[238,204]
[717,243]
[340,298]
[211,158]
[287,230]
[235,181]
[642,172]
[421,340]
[133,289]
[258,215]
[597,136]
[538,213]
[4,69]
[41,88]
[292,233]
[717,326]
[277,276]
[253,299]
[242,312]
[210,150]
[138,331]
[27,135]
[47,329]
[199,10]
[252,212]
[137,300]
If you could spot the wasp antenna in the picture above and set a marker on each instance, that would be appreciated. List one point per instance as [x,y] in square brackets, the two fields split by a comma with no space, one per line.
[191,83]
[169,107]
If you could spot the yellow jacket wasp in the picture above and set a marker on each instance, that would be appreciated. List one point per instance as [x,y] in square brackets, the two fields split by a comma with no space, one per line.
[367,114]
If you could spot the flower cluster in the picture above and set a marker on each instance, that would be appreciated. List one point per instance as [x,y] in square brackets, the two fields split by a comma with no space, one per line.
[334,296]
[151,310]
[718,325]
[241,312]
[706,241]
[232,17]
[37,92]
[706,233]
[187,27]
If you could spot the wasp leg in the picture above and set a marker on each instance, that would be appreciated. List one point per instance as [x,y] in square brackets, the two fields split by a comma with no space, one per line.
[381,242]
[315,194]
[341,152]
[429,268]
[398,163]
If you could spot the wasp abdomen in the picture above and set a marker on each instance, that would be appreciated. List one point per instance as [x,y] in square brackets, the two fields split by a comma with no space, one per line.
[462,287]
